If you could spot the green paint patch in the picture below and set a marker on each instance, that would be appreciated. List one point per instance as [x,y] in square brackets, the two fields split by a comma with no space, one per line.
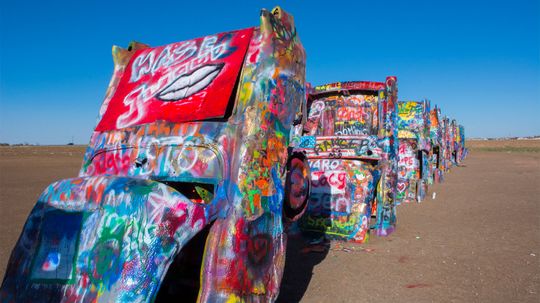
[205,194]
[142,190]
[105,259]
[281,131]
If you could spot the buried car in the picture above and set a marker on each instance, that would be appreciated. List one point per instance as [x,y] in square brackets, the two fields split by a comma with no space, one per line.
[448,140]
[351,151]
[437,147]
[414,150]
[186,181]
[459,150]
[462,151]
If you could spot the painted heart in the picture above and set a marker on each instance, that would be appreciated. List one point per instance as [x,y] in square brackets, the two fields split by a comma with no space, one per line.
[259,249]
[401,187]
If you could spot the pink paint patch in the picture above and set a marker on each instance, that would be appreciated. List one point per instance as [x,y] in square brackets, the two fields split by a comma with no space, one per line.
[197,215]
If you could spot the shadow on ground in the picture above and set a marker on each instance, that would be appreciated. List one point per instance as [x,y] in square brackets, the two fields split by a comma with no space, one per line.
[300,260]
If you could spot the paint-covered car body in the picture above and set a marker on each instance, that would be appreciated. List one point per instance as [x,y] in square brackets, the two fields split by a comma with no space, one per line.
[446,144]
[350,146]
[448,137]
[462,149]
[458,142]
[191,136]
[437,147]
[414,149]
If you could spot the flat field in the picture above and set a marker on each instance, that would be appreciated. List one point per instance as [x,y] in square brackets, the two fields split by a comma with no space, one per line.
[504,145]
[477,241]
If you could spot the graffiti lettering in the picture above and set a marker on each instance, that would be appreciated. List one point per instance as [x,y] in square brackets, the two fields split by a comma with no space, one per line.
[324,165]
[336,180]
[174,55]
[352,129]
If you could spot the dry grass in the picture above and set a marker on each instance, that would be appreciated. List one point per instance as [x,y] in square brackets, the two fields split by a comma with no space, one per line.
[41,151]
[527,146]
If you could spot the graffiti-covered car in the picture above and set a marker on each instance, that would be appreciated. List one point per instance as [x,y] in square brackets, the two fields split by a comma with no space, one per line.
[458,142]
[350,145]
[182,191]
[437,147]
[445,150]
[414,149]
[448,137]
[461,149]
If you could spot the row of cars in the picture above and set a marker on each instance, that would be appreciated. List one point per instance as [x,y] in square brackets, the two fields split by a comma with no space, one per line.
[368,153]
[204,153]
[429,145]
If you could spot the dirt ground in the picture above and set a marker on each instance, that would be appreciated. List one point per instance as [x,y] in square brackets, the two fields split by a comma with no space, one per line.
[477,241]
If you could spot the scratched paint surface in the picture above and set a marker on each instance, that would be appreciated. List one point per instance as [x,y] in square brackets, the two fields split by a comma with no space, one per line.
[349,146]
[135,215]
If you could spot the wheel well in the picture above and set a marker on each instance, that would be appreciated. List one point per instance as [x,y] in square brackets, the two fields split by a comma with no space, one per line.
[183,278]
[288,212]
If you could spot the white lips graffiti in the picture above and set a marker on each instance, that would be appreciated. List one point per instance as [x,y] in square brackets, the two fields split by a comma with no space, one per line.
[187,85]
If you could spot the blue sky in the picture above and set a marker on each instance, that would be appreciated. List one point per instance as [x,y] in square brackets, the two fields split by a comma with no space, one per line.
[478,60]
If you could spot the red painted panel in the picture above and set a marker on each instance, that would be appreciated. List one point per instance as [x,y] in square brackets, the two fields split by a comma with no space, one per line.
[185,81]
